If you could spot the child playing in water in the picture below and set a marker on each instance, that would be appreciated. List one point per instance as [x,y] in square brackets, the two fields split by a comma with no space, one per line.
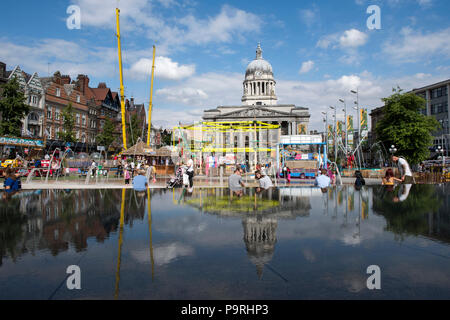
[127,176]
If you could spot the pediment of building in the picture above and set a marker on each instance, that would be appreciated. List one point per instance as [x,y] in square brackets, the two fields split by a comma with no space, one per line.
[255,112]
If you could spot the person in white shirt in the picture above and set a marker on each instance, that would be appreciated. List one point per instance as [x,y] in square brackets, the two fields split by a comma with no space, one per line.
[264,180]
[190,172]
[405,170]
[323,181]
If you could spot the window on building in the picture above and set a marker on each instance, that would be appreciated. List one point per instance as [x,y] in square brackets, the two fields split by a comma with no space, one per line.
[49,113]
[78,119]
[58,92]
[433,109]
[84,120]
[56,115]
[78,98]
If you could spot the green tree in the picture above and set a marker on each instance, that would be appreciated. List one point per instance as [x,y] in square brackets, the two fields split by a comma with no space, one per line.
[107,136]
[12,108]
[68,125]
[134,130]
[404,126]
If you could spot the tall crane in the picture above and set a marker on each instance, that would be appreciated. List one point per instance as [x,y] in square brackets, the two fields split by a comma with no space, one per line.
[122,96]
[151,100]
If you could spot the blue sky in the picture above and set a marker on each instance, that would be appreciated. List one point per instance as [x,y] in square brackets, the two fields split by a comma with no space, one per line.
[319,50]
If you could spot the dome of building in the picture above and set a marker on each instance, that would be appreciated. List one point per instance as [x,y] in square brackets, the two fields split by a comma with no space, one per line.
[259,65]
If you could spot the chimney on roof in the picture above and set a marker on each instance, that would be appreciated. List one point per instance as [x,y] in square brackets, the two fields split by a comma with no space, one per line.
[2,70]
[82,83]
[132,103]
[65,79]
[57,77]
[102,85]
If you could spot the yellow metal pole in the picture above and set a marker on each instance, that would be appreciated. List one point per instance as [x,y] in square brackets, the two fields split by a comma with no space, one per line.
[119,255]
[151,100]
[122,96]
[149,213]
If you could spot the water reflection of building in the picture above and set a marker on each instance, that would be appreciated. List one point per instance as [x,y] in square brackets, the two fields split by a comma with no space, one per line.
[56,220]
[259,213]
[260,238]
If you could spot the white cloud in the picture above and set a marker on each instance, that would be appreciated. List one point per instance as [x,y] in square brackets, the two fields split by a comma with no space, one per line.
[68,57]
[310,16]
[170,32]
[353,38]
[163,254]
[230,22]
[349,39]
[165,68]
[306,66]
[415,46]
[206,90]
[185,95]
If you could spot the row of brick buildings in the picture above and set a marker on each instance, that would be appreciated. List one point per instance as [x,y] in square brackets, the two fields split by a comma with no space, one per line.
[48,96]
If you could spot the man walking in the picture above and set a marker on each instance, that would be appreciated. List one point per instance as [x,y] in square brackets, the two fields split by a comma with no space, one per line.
[405,170]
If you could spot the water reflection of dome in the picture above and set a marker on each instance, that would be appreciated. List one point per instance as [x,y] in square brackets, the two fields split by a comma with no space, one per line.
[260,239]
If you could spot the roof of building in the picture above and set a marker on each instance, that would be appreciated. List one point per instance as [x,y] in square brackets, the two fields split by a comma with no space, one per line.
[259,64]
[437,84]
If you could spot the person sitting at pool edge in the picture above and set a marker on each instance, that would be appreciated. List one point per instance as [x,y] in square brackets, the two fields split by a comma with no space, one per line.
[12,181]
[264,180]
[235,180]
[389,179]
[323,181]
[140,182]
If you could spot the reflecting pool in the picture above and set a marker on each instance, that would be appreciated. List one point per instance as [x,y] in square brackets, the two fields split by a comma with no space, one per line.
[287,243]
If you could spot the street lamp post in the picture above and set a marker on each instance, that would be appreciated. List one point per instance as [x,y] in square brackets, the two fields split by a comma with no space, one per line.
[335,133]
[439,150]
[392,150]
[346,124]
[326,128]
[359,122]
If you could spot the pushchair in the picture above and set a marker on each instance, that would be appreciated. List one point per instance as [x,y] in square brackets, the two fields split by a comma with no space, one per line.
[177,181]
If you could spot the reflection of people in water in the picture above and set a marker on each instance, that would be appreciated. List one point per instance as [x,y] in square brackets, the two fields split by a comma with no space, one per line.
[403,193]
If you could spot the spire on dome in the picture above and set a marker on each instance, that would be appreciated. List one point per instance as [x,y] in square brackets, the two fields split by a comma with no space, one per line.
[259,52]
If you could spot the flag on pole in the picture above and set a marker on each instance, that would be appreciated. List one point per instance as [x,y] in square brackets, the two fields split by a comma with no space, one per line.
[350,130]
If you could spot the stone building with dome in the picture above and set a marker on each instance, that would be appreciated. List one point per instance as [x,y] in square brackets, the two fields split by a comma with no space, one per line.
[259,104]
